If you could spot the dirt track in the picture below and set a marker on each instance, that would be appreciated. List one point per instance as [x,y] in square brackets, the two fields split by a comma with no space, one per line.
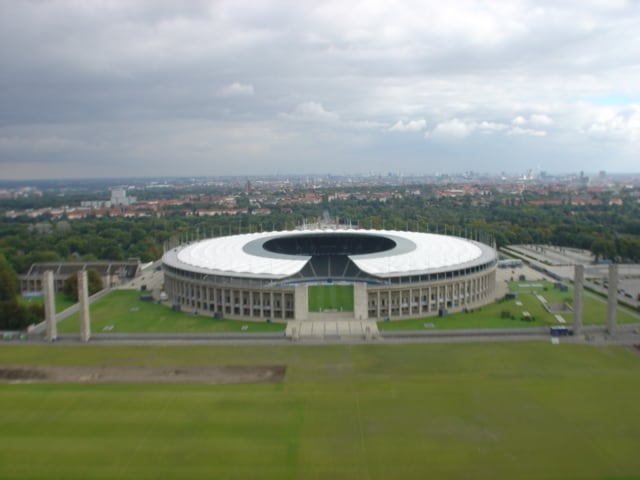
[212,375]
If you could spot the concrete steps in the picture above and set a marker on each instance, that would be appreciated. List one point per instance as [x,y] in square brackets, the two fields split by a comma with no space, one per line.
[332,330]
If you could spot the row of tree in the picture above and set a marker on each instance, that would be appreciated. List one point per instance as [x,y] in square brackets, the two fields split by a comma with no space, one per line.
[608,231]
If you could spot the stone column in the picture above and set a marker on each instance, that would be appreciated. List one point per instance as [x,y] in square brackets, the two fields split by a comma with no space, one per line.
[612,301]
[360,298]
[301,302]
[578,287]
[271,307]
[83,299]
[49,306]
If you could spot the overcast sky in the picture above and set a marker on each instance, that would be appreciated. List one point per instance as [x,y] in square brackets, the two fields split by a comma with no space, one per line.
[158,87]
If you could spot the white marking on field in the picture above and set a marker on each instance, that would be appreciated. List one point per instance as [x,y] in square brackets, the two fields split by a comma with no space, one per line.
[560,319]
[555,341]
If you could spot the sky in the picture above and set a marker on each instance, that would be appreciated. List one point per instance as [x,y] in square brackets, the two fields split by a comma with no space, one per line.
[277,87]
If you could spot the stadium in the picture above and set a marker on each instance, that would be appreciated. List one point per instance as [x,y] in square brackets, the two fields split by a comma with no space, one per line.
[314,274]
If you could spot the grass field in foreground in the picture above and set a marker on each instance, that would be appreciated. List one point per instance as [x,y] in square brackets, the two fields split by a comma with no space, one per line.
[334,297]
[489,316]
[123,311]
[499,411]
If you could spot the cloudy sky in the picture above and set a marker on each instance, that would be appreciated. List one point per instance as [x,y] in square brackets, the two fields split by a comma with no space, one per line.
[159,87]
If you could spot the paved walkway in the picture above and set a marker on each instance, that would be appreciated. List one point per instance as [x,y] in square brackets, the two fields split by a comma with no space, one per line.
[505,275]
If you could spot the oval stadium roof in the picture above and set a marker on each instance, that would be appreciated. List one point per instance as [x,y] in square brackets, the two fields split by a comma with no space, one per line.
[244,256]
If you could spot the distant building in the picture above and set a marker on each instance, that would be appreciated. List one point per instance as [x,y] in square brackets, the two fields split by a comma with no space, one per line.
[112,273]
[92,204]
[119,197]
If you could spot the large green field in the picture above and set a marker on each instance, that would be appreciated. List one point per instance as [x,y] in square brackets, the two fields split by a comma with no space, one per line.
[123,311]
[505,410]
[333,297]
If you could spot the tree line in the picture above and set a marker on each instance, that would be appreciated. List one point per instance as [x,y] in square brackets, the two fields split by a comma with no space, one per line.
[611,232]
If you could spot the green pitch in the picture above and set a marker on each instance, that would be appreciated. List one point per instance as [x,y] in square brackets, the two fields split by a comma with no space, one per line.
[480,410]
[333,297]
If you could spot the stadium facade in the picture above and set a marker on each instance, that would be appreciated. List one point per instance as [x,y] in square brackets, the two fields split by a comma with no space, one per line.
[391,274]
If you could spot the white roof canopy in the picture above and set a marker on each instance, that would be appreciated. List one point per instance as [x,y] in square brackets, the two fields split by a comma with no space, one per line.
[414,253]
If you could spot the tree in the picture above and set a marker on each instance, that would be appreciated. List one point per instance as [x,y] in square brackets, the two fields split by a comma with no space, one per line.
[8,281]
[13,315]
[94,282]
[603,248]
[63,226]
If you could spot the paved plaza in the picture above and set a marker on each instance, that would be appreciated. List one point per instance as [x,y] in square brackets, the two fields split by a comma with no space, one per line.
[560,261]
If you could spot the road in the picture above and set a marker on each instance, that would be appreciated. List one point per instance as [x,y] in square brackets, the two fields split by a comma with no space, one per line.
[628,334]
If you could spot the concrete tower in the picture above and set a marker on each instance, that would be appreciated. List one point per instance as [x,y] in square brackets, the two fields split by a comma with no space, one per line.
[83,299]
[49,306]
[578,287]
[612,301]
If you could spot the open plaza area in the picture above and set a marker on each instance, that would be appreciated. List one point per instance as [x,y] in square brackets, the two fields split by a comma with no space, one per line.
[559,261]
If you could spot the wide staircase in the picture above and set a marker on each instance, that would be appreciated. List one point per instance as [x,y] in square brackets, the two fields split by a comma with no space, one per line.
[332,327]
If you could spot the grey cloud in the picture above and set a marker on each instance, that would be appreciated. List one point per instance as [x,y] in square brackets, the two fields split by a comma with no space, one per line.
[269,80]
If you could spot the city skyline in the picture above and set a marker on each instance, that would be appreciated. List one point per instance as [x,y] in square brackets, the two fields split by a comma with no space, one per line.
[117,89]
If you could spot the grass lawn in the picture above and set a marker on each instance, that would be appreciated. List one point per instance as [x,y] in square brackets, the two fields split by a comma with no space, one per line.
[481,410]
[335,297]
[123,311]
[490,316]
